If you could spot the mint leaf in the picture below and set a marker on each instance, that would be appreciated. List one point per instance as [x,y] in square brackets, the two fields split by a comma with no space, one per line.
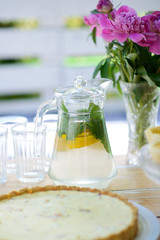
[97,126]
[75,129]
[68,125]
[63,121]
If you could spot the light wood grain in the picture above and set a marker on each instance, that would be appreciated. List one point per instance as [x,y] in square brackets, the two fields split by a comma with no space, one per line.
[130,182]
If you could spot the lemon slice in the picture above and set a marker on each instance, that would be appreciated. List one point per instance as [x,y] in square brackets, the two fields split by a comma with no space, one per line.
[84,139]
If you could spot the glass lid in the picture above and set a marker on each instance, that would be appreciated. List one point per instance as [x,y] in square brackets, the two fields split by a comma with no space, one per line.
[80,91]
[80,96]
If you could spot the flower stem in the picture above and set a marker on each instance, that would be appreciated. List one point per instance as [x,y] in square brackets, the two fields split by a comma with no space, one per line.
[109,14]
[122,65]
[131,46]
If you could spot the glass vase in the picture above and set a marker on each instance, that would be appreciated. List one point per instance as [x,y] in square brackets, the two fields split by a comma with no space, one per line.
[141,103]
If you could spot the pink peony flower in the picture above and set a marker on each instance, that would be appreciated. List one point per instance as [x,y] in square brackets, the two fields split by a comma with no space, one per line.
[93,21]
[104,6]
[126,24]
[152,32]
[155,46]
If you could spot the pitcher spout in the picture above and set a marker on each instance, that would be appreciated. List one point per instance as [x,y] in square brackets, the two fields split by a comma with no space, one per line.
[106,85]
[103,84]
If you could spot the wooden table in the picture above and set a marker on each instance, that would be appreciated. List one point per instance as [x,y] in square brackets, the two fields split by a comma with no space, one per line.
[130,182]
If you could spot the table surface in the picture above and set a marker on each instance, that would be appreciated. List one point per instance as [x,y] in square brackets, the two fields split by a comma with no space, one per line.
[130,182]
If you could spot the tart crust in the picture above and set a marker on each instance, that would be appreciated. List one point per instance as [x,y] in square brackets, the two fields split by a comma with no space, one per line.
[128,233]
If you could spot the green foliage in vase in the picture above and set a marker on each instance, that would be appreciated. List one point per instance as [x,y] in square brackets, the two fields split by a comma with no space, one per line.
[132,44]
[132,61]
[141,107]
[134,64]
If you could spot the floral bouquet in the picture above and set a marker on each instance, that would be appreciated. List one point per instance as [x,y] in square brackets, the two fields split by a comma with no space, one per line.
[132,61]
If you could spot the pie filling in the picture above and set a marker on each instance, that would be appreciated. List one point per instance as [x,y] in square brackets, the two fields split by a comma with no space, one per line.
[67,215]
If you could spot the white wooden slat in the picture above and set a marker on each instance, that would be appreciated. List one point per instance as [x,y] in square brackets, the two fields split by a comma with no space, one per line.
[30,106]
[39,42]
[25,106]
[71,73]
[26,79]
[53,11]
[139,5]
[47,11]
[52,43]
[48,43]
[77,42]
[19,106]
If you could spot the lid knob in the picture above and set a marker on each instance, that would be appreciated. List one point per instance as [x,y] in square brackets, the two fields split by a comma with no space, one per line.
[79,82]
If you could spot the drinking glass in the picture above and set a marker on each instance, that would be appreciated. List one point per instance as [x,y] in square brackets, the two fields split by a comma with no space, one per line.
[50,121]
[3,153]
[9,122]
[29,149]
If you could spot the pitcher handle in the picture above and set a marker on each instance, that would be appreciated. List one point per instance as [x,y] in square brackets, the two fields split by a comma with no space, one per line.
[43,109]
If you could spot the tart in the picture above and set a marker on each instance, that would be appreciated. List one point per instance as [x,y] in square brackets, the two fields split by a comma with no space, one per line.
[66,213]
[153,137]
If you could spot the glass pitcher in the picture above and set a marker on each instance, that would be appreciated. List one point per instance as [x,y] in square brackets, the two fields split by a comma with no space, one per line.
[81,154]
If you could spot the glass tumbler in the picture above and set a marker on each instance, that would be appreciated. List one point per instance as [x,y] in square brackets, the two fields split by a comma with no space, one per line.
[9,122]
[29,149]
[50,121]
[3,153]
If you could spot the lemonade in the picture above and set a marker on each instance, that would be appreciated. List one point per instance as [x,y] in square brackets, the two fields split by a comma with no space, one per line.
[82,161]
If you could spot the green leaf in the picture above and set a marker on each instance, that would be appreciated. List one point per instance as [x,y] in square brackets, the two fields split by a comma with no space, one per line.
[113,70]
[136,78]
[93,34]
[119,87]
[63,107]
[125,49]
[117,44]
[74,129]
[104,70]
[95,11]
[130,70]
[63,123]
[98,67]
[138,93]
[122,74]
[109,47]
[97,126]
[143,54]
[156,78]
[131,57]
[67,126]
[142,71]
